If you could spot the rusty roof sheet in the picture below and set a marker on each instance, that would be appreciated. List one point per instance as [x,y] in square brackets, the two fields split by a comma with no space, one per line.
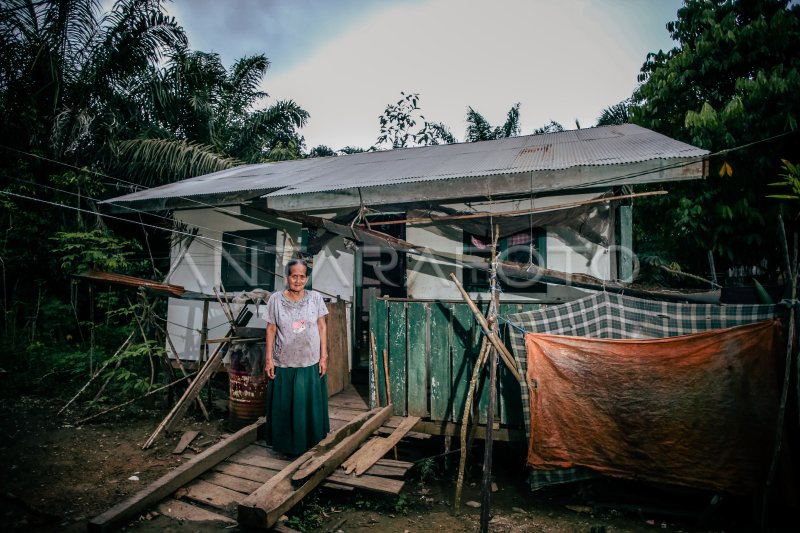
[606,145]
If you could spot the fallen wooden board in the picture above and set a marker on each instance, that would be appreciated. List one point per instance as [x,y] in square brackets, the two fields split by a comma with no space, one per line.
[340,445]
[212,495]
[339,415]
[238,466]
[269,452]
[172,481]
[253,473]
[245,486]
[368,455]
[190,513]
[250,457]
[263,508]
[373,483]
[186,439]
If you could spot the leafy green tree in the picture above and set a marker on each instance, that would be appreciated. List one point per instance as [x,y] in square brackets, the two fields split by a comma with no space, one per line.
[85,94]
[550,127]
[399,126]
[352,150]
[730,85]
[321,151]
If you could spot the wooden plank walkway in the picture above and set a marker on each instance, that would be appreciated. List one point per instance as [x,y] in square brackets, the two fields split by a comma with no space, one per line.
[214,494]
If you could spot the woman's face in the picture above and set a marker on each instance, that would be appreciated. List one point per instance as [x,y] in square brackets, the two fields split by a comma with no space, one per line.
[297,278]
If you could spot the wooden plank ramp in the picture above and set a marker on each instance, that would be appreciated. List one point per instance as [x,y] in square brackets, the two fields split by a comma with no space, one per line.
[213,486]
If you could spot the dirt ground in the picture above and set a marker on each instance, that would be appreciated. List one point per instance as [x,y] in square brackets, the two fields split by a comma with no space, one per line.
[56,476]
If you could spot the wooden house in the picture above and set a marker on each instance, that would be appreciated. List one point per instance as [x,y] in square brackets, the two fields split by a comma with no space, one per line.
[560,200]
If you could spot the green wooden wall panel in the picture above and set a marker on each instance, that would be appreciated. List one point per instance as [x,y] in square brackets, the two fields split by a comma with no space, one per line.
[441,399]
[464,356]
[417,320]
[432,350]
[397,356]
[380,318]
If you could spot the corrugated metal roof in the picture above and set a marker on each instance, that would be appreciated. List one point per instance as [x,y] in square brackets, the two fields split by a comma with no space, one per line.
[606,145]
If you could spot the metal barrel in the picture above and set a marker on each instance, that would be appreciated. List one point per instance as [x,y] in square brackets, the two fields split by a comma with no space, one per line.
[246,379]
[246,398]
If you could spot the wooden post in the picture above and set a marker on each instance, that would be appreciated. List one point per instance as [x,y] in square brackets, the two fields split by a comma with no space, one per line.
[785,391]
[473,384]
[204,334]
[486,488]
[625,252]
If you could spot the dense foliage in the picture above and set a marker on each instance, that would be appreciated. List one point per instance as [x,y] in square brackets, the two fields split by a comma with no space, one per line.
[93,104]
[731,85]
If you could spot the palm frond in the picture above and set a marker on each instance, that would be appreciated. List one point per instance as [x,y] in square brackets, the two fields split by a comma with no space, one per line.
[616,114]
[156,161]
[478,128]
[511,127]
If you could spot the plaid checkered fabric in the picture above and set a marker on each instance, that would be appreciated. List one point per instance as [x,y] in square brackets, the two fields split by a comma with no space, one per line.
[614,316]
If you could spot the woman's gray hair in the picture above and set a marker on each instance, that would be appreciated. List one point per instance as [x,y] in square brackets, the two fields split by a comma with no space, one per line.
[294,262]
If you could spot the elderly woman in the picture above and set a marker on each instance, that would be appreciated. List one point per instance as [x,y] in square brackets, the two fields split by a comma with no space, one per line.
[296,362]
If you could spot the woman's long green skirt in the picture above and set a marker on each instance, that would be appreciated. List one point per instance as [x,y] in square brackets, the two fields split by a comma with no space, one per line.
[297,409]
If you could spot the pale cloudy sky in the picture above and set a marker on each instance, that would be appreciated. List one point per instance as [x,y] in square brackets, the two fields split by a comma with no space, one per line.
[344,60]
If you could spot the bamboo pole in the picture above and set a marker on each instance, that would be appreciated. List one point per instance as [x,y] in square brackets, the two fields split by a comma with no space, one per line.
[486,486]
[203,376]
[119,350]
[84,420]
[374,354]
[473,384]
[785,390]
[183,369]
[518,212]
[508,359]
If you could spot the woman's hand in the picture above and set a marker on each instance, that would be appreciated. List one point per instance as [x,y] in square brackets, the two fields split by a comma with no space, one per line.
[323,365]
[269,364]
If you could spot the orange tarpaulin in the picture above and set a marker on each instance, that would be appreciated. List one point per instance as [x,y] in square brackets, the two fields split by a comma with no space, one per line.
[697,410]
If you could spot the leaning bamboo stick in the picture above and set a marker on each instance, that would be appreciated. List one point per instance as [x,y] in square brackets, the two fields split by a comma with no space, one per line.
[779,426]
[91,379]
[197,384]
[183,369]
[508,359]
[473,383]
[168,385]
[374,354]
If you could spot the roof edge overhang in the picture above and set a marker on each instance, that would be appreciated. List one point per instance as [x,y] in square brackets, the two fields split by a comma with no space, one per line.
[575,179]
[198,201]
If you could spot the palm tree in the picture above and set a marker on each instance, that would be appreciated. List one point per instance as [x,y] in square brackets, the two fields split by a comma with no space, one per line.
[205,118]
[479,129]
[616,114]
[67,70]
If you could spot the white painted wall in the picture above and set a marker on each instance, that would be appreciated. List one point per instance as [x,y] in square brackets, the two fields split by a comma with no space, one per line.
[199,270]
[333,270]
[566,251]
